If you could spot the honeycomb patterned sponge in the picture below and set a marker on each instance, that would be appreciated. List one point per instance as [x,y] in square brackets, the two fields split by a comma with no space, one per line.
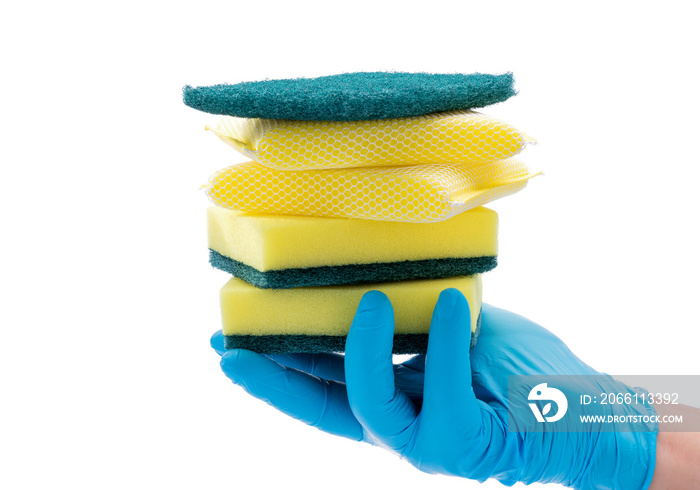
[443,137]
[318,319]
[352,96]
[420,193]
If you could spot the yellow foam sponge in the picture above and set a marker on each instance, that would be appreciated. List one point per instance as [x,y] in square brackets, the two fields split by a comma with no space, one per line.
[447,137]
[277,251]
[422,193]
[273,242]
[329,310]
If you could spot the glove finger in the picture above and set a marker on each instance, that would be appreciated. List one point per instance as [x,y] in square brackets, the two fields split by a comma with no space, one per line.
[385,412]
[448,394]
[408,378]
[315,401]
[409,374]
[416,363]
[217,343]
[327,366]
[332,367]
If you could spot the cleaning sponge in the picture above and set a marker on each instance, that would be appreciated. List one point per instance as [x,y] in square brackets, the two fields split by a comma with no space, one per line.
[352,96]
[318,319]
[443,137]
[277,251]
[420,193]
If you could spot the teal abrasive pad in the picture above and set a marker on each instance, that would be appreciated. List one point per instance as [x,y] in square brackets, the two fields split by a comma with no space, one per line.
[336,275]
[288,344]
[352,96]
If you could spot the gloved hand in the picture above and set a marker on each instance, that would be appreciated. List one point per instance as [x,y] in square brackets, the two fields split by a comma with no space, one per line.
[446,412]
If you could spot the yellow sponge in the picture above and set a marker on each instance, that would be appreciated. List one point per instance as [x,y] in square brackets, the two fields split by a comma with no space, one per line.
[317,311]
[277,251]
[445,137]
[271,242]
[422,193]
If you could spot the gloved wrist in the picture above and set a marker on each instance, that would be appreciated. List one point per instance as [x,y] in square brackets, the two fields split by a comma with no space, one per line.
[632,440]
[599,445]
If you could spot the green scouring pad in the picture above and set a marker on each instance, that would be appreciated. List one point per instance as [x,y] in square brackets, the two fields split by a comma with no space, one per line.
[416,343]
[352,96]
[336,275]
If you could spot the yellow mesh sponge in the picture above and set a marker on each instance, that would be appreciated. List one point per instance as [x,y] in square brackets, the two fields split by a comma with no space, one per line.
[420,194]
[439,138]
[329,310]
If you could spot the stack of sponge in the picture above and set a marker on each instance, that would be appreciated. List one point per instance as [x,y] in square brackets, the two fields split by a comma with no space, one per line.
[357,182]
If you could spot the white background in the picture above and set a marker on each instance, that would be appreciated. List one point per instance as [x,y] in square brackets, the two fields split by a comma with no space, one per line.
[106,376]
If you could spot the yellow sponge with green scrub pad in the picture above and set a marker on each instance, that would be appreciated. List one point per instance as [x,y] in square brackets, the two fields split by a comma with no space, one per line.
[318,319]
[444,137]
[420,193]
[278,251]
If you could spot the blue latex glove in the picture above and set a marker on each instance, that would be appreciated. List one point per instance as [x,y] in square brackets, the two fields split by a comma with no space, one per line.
[445,412]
